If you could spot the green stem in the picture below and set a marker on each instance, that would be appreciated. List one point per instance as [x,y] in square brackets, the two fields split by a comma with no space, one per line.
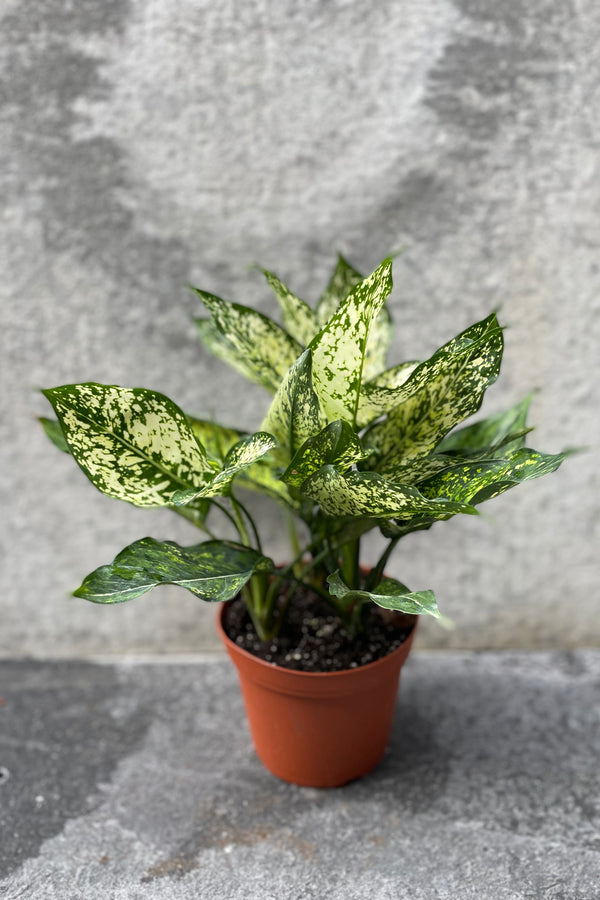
[243,509]
[350,563]
[376,573]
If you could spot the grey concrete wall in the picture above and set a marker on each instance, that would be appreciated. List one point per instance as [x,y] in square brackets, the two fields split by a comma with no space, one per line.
[146,144]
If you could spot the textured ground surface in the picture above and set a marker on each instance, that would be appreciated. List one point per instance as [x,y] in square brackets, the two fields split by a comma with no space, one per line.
[134,782]
[146,144]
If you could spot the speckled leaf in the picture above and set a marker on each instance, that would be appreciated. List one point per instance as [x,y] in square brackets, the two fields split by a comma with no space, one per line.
[250,342]
[214,571]
[262,476]
[369,494]
[133,444]
[239,457]
[298,318]
[425,467]
[505,431]
[475,482]
[344,278]
[294,414]
[440,393]
[55,433]
[378,344]
[379,395]
[339,349]
[337,445]
[389,593]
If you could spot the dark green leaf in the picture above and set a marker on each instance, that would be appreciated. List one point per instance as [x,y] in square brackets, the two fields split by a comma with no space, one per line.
[389,594]
[213,571]
[55,433]
[474,482]
[504,431]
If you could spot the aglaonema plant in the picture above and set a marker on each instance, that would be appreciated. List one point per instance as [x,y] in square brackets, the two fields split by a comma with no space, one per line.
[347,445]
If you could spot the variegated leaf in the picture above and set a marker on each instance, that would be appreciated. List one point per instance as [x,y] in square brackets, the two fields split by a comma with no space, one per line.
[378,344]
[339,349]
[262,476]
[239,457]
[298,318]
[294,414]
[249,341]
[337,445]
[389,594]
[505,431]
[55,433]
[214,571]
[475,482]
[343,279]
[369,494]
[133,444]
[425,467]
[379,395]
[440,393]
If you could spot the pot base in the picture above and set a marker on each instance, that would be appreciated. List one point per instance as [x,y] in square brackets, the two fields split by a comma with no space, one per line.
[319,729]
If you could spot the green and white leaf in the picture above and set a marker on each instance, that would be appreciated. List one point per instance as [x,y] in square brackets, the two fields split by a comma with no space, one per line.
[242,455]
[249,341]
[133,444]
[214,571]
[343,280]
[339,349]
[379,395]
[389,594]
[294,414]
[440,393]
[337,445]
[378,345]
[475,482]
[369,494]
[262,476]
[505,431]
[298,318]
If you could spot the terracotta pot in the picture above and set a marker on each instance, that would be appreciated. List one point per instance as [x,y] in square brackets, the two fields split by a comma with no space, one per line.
[318,729]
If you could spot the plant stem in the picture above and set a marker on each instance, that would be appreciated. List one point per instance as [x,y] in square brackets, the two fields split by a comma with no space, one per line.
[244,510]
[376,573]
[350,563]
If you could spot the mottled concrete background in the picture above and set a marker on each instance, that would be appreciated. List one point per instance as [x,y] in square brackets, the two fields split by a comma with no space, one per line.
[146,144]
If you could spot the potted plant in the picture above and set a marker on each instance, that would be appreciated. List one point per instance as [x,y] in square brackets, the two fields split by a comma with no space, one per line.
[347,445]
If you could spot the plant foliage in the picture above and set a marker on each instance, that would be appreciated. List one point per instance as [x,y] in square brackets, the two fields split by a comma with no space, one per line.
[346,445]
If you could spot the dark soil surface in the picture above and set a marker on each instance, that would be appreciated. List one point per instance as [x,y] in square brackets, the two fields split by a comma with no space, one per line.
[314,639]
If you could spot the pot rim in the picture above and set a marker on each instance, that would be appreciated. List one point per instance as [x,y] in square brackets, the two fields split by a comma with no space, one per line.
[265,666]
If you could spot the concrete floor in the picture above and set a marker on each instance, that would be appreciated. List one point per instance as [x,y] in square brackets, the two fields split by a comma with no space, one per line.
[128,779]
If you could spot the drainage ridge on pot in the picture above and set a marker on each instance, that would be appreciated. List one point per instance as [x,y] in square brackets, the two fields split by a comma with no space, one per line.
[318,729]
